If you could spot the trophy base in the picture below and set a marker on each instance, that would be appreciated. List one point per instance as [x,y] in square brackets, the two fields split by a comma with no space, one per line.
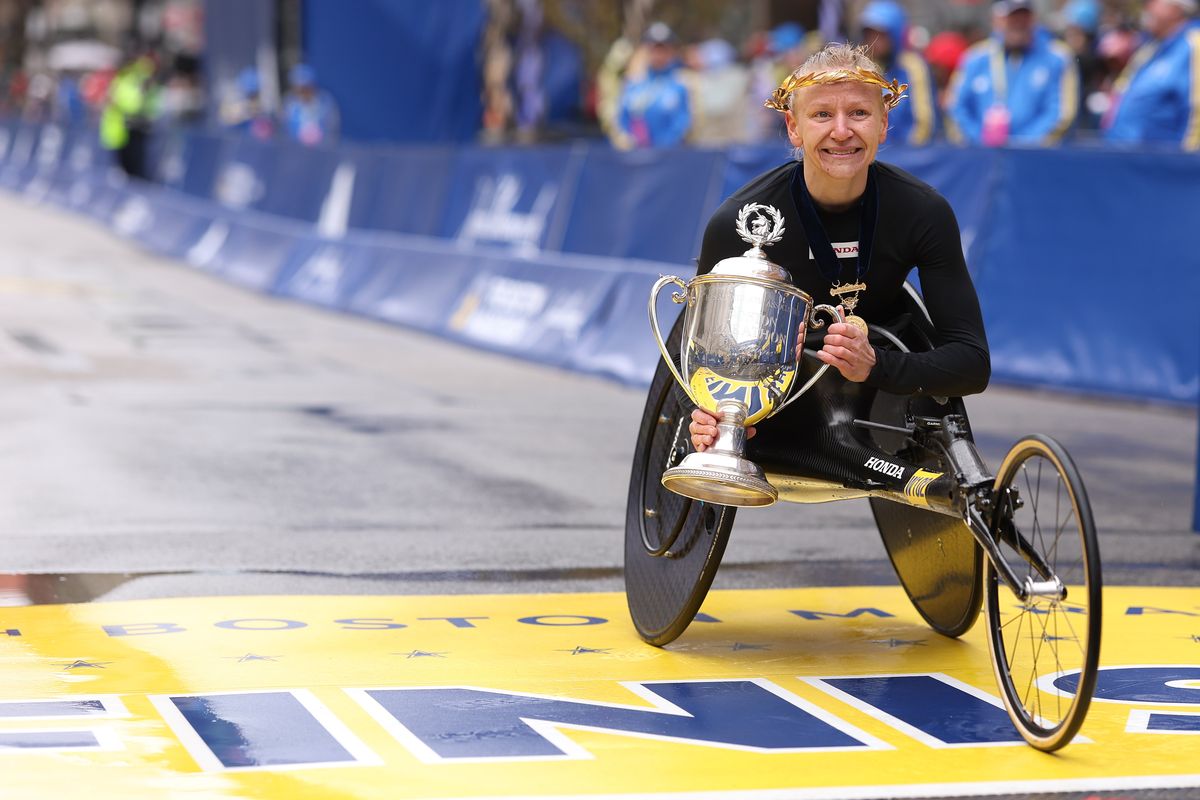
[719,478]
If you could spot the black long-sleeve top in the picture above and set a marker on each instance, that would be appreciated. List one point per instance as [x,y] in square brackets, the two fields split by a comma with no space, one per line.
[916,228]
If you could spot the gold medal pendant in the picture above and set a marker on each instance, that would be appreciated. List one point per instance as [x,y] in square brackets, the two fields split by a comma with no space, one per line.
[847,295]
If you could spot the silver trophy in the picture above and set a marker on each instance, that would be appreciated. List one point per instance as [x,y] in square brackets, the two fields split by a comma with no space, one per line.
[743,339]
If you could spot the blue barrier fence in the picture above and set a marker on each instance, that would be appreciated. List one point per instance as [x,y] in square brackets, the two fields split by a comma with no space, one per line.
[1082,258]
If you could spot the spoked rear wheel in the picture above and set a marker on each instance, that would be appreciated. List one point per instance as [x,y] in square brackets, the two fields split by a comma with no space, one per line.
[1044,526]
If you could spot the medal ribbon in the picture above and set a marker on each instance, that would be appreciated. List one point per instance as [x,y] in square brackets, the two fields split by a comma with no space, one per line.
[818,240]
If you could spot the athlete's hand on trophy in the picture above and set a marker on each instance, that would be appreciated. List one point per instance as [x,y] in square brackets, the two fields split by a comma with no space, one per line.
[846,348]
[703,429]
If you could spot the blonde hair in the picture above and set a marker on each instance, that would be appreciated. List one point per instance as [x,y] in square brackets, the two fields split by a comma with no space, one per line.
[838,55]
[834,63]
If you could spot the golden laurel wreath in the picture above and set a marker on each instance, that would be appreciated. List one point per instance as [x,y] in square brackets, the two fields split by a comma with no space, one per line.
[894,88]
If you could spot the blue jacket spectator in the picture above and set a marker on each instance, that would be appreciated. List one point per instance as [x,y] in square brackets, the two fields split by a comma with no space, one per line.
[654,110]
[1020,86]
[884,26]
[1157,97]
[243,111]
[310,116]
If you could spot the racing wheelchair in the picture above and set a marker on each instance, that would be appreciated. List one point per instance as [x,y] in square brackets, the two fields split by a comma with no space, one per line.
[1023,538]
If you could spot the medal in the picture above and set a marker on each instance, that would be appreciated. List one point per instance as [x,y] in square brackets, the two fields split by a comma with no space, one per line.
[822,249]
[847,295]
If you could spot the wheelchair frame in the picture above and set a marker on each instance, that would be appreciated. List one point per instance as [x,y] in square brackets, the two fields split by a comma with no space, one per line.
[937,506]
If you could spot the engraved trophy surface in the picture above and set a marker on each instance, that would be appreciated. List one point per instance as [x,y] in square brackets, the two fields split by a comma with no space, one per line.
[743,339]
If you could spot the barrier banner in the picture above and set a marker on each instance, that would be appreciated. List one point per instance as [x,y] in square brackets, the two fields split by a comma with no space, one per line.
[163,156]
[162,220]
[105,198]
[82,157]
[48,154]
[300,182]
[648,204]
[1076,236]
[19,163]
[744,162]
[8,131]
[967,178]
[538,310]
[133,213]
[201,156]
[250,253]
[170,156]
[324,273]
[620,345]
[511,197]
[413,285]
[1057,240]
[247,167]
[402,191]
[87,190]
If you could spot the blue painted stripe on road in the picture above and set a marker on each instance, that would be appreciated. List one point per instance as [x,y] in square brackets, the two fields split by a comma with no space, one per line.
[47,740]
[259,729]
[921,701]
[18,709]
[474,724]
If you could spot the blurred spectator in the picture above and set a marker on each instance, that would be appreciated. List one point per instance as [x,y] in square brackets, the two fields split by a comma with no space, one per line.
[182,98]
[125,122]
[885,31]
[654,110]
[944,53]
[1157,97]
[1114,50]
[610,79]
[717,86]
[40,97]
[310,115]
[497,56]
[774,55]
[94,88]
[529,92]
[1081,21]
[1019,86]
[69,107]
[243,110]
[14,95]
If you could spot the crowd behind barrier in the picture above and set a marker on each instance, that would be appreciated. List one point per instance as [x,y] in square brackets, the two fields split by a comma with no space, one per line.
[1082,258]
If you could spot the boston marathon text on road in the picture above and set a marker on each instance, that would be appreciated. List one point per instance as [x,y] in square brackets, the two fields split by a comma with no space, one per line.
[292,728]
[266,624]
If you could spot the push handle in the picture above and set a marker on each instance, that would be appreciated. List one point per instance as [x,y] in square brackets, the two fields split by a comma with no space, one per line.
[677,297]
[818,324]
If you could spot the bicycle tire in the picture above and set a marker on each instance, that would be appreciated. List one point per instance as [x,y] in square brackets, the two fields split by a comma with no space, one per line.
[1040,625]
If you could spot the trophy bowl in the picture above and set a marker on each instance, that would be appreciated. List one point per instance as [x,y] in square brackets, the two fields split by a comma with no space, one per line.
[743,338]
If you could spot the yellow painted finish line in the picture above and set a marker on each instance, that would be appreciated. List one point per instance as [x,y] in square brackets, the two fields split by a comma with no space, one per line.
[838,692]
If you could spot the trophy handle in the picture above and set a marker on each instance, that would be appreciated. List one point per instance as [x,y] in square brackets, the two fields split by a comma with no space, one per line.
[828,309]
[677,297]
[818,324]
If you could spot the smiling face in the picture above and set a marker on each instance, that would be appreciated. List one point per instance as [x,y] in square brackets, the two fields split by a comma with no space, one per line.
[840,127]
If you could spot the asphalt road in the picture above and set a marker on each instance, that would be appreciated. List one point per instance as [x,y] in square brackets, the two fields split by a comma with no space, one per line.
[167,434]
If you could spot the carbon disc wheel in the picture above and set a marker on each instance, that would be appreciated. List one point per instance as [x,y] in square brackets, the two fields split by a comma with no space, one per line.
[1043,523]
[673,545]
